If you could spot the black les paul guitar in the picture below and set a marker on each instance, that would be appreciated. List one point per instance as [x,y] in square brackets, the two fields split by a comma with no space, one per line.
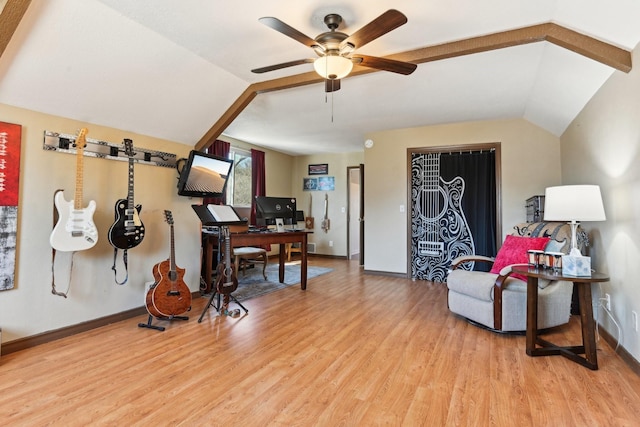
[127,231]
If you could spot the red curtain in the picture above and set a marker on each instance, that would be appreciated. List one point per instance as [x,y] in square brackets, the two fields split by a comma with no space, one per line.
[258,187]
[220,149]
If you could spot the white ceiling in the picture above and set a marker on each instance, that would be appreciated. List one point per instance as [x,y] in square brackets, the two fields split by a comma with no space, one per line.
[170,69]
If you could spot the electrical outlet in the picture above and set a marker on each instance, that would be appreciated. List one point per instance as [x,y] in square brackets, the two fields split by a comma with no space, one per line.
[331,243]
[634,319]
[607,303]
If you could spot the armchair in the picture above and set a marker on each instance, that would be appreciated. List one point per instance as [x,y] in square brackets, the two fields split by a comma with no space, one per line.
[498,300]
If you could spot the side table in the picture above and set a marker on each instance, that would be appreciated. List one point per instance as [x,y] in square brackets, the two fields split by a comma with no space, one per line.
[537,346]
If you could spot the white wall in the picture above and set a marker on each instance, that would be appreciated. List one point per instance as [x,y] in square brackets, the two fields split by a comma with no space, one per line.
[30,308]
[530,163]
[602,147]
[337,199]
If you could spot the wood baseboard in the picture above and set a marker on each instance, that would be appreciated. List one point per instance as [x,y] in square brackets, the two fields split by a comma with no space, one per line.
[386,273]
[620,351]
[45,337]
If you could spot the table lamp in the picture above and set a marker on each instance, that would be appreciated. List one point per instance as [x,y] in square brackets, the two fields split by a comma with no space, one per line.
[573,203]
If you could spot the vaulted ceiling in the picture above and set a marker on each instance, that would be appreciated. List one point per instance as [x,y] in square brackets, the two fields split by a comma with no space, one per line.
[180,70]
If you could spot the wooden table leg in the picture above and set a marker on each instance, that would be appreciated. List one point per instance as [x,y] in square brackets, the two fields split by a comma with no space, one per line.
[208,263]
[532,314]
[303,263]
[281,260]
[588,329]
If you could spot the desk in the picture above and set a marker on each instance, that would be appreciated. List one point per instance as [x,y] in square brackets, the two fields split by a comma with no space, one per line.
[257,239]
[588,347]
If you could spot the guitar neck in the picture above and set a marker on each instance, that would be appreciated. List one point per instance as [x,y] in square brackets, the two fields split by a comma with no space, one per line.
[77,200]
[431,172]
[130,193]
[227,247]
[172,259]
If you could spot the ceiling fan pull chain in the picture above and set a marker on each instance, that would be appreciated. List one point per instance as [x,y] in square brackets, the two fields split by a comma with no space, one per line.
[331,107]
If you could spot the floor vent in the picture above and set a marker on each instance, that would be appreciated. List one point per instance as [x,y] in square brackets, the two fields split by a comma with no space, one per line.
[311,248]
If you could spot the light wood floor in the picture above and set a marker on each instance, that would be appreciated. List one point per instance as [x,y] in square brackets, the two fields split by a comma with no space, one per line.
[351,350]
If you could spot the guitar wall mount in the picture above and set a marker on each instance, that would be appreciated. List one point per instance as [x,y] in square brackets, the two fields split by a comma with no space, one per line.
[65,143]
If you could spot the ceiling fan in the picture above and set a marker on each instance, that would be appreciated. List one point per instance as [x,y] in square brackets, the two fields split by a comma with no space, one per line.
[335,49]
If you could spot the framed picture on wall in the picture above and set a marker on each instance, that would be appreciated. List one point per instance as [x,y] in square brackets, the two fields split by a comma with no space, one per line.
[319,169]
[10,138]
[310,184]
[326,183]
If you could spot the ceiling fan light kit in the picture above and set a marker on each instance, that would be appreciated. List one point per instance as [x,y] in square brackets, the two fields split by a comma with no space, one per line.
[334,48]
[333,67]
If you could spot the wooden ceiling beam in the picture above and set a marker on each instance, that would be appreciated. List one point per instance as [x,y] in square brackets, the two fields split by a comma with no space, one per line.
[10,17]
[587,46]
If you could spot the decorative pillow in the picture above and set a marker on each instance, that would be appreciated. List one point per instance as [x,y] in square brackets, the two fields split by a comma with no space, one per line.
[514,251]
[555,246]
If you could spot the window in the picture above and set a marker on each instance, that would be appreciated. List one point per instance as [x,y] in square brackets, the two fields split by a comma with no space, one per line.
[239,185]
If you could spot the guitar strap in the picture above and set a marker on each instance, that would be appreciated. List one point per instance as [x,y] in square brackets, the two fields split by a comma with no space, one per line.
[53,257]
[126,266]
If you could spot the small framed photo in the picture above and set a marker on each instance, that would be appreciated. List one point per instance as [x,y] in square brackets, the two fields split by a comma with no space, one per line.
[319,169]
[310,184]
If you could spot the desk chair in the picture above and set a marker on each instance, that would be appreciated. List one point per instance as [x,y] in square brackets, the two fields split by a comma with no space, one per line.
[290,248]
[244,254]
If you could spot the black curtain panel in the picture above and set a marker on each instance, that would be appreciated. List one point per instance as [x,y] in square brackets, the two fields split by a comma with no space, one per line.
[221,149]
[258,182]
[477,170]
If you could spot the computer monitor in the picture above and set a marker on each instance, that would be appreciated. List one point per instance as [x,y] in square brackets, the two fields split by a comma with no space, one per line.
[270,208]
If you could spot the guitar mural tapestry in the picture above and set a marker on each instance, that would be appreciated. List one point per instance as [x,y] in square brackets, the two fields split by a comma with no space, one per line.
[10,136]
[442,184]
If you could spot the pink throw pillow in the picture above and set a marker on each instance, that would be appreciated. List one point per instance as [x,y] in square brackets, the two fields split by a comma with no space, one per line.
[514,251]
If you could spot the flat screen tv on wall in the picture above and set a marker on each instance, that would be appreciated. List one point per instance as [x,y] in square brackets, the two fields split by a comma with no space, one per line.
[203,175]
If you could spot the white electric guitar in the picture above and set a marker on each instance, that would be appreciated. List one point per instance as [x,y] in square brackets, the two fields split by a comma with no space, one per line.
[75,230]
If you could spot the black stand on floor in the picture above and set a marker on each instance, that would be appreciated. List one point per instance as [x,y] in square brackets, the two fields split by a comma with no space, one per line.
[217,307]
[207,218]
[160,328]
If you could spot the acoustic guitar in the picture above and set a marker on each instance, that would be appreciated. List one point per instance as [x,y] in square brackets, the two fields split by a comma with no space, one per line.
[74,230]
[226,279]
[127,231]
[169,295]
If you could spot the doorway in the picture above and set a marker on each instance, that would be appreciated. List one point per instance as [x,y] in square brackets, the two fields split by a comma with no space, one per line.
[355,213]
[455,195]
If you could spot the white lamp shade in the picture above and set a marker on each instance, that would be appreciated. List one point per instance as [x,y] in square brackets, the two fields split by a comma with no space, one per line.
[333,66]
[573,203]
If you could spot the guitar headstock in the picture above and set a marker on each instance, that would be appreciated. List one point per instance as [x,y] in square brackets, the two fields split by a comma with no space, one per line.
[81,140]
[128,147]
[168,216]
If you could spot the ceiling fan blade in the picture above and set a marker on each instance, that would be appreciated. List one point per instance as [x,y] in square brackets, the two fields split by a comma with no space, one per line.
[283,65]
[331,85]
[384,23]
[288,30]
[385,64]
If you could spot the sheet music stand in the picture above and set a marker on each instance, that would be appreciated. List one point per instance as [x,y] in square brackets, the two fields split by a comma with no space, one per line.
[219,216]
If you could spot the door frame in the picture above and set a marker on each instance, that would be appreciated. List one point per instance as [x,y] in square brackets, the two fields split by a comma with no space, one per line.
[449,149]
[360,167]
